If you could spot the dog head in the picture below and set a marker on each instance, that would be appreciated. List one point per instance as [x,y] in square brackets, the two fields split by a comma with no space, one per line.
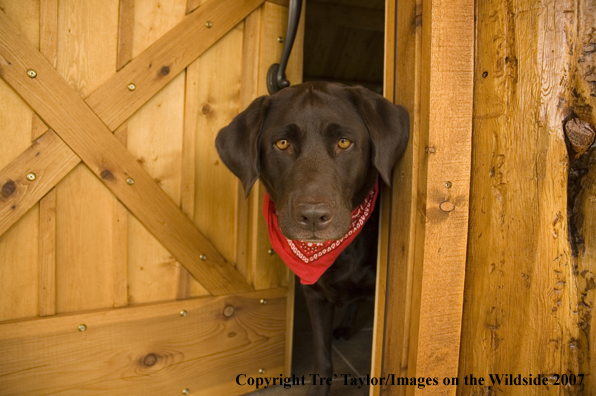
[317,148]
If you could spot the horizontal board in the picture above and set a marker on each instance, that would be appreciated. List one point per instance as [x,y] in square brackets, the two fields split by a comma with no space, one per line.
[144,350]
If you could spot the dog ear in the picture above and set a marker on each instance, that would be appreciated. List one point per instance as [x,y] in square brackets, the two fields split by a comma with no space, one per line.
[388,125]
[238,143]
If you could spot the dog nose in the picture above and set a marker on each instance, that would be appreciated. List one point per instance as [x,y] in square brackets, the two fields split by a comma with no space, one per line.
[313,217]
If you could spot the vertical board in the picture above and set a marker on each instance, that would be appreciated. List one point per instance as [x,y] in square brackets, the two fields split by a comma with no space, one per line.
[19,244]
[431,65]
[154,138]
[521,302]
[87,261]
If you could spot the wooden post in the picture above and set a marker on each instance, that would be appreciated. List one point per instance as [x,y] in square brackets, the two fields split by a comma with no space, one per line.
[430,71]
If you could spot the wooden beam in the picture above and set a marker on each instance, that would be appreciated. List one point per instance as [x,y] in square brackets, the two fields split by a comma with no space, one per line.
[64,111]
[114,101]
[433,64]
[49,160]
[147,350]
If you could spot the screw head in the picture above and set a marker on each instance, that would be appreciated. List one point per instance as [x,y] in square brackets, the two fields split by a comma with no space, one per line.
[31,73]
[82,327]
[203,257]
[263,301]
[31,176]
[448,184]
[185,391]
[271,252]
[261,371]
[130,181]
[280,39]
[183,313]
[131,87]
[209,24]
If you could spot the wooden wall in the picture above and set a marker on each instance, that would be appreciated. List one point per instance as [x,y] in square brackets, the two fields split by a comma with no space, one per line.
[130,217]
[526,307]
[528,296]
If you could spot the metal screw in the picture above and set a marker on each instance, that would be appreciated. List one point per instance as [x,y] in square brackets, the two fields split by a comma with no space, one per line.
[280,39]
[130,181]
[485,74]
[31,176]
[209,24]
[131,87]
[82,327]
[261,371]
[431,150]
[448,184]
[185,391]
[271,252]
[263,301]
[203,257]
[183,313]
[31,73]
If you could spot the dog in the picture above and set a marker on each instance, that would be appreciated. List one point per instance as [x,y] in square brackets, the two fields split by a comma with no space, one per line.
[319,148]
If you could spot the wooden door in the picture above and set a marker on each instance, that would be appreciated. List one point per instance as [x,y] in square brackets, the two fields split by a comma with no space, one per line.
[130,261]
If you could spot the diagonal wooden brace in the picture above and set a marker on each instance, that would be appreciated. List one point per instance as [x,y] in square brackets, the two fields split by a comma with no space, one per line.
[68,115]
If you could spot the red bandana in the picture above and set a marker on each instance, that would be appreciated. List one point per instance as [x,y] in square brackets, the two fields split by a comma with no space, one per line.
[310,260]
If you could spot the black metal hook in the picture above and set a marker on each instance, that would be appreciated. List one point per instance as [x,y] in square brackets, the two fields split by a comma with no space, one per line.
[276,76]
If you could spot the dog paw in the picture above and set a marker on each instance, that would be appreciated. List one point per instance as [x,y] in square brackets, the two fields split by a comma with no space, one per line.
[343,333]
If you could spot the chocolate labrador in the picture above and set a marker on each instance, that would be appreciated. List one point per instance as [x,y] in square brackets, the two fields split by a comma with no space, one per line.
[319,148]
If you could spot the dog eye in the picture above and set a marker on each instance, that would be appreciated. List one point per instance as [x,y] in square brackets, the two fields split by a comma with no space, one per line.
[344,143]
[282,144]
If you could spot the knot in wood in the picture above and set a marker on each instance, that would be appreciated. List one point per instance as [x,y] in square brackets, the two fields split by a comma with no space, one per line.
[150,360]
[580,135]
[164,71]
[228,311]
[8,188]
[106,175]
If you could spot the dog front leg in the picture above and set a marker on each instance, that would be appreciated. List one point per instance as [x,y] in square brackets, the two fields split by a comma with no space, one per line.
[321,318]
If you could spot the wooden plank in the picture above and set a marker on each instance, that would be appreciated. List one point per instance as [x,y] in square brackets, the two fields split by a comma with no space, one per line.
[113,102]
[155,141]
[448,39]
[155,134]
[218,103]
[150,349]
[47,254]
[86,260]
[188,183]
[527,292]
[19,272]
[19,283]
[426,271]
[48,39]
[62,109]
[125,32]
[50,160]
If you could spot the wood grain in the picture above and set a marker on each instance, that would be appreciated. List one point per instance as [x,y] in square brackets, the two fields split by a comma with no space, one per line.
[145,350]
[432,60]
[63,110]
[126,19]
[50,160]
[113,102]
[523,313]
[155,135]
[47,254]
